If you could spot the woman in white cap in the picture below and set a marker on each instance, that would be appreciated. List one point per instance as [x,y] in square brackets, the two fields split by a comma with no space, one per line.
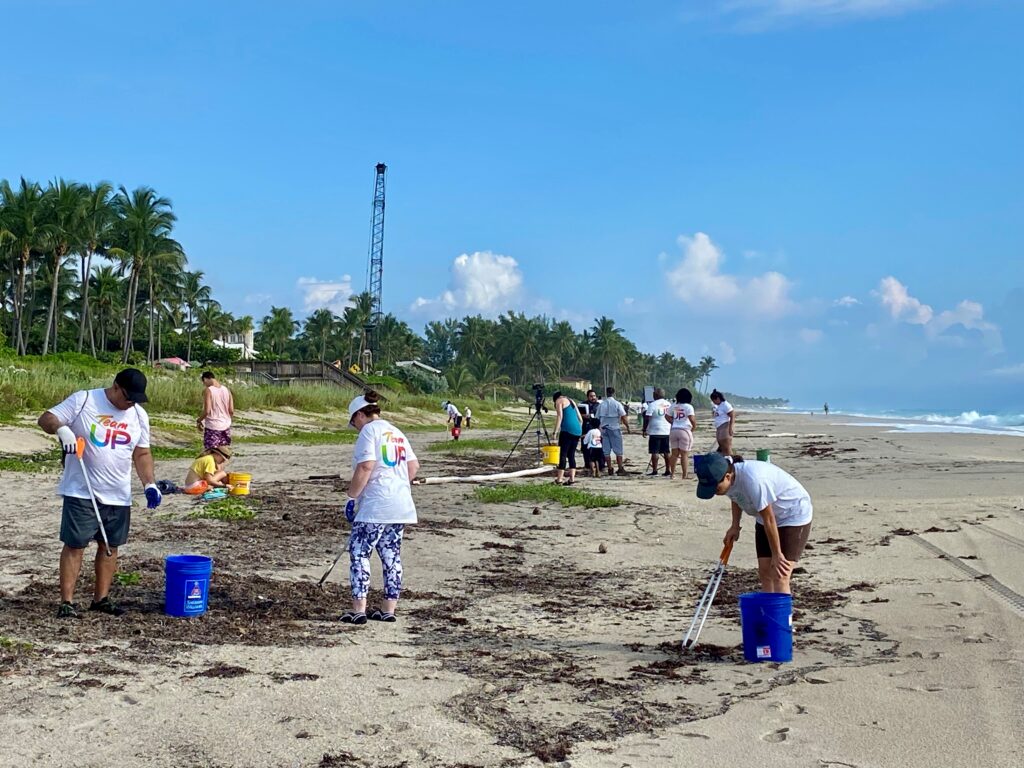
[379,506]
[779,503]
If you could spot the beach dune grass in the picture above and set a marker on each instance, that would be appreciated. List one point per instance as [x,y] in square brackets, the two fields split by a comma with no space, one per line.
[537,492]
[469,446]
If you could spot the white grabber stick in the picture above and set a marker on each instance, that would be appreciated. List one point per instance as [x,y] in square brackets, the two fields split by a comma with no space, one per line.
[704,606]
[79,450]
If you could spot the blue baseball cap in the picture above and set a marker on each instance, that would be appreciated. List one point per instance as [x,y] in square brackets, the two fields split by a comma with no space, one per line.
[710,472]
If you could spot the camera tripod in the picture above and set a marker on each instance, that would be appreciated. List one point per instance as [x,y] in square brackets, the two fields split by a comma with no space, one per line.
[536,415]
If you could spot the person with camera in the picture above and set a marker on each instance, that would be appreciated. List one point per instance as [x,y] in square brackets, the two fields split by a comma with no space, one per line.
[569,430]
[613,419]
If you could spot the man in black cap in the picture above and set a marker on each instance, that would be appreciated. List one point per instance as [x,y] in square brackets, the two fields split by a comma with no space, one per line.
[114,430]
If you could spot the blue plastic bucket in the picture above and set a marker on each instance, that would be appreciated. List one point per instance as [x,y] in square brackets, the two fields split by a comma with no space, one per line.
[767,619]
[187,584]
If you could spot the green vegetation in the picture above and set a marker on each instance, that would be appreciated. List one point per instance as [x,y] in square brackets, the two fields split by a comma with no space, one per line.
[469,446]
[296,437]
[567,497]
[43,461]
[128,578]
[14,647]
[170,452]
[231,508]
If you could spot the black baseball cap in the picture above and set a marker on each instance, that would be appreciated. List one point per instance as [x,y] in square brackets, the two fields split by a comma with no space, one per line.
[710,472]
[133,382]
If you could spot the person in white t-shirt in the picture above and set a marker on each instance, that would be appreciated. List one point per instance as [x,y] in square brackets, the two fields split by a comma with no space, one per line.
[725,422]
[469,418]
[613,419]
[680,440]
[656,428]
[379,506]
[114,429]
[779,503]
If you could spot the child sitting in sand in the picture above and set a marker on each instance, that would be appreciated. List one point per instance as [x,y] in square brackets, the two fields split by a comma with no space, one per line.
[207,471]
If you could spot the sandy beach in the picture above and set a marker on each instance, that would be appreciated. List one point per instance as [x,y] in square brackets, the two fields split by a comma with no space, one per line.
[520,644]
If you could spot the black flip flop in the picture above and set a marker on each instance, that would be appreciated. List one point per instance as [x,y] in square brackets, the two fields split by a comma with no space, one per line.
[379,615]
[353,617]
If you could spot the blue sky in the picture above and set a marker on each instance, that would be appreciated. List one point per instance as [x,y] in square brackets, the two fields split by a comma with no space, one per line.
[824,194]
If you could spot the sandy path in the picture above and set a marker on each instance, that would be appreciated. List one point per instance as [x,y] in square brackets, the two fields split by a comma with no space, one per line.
[519,643]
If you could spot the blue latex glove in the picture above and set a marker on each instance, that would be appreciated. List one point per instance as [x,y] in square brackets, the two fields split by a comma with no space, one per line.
[350,510]
[153,496]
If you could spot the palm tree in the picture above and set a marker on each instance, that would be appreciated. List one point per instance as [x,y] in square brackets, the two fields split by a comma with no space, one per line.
[488,377]
[277,329]
[193,293]
[143,231]
[460,380]
[608,345]
[474,336]
[320,327]
[164,271]
[107,289]
[98,217]
[23,214]
[704,368]
[64,208]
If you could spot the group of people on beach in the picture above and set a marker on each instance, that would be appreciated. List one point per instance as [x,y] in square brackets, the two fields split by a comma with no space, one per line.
[107,433]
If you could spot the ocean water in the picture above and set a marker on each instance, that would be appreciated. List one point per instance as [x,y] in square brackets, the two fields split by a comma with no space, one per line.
[965,422]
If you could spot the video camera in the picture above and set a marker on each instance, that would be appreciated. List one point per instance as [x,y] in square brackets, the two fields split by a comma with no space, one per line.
[538,398]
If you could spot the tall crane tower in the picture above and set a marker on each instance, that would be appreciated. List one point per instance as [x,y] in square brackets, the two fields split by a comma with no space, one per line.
[375,269]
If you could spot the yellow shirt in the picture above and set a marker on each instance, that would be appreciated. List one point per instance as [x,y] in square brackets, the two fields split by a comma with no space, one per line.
[203,466]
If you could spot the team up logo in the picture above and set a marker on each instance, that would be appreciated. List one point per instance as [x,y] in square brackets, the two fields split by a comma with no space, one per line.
[109,432]
[392,450]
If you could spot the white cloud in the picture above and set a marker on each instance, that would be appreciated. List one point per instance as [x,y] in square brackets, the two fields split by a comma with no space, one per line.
[755,14]
[1010,371]
[258,298]
[846,301]
[811,335]
[332,294]
[726,354]
[969,315]
[628,301]
[901,305]
[699,282]
[483,282]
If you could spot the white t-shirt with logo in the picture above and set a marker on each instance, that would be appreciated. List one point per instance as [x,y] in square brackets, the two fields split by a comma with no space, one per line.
[387,497]
[760,483]
[452,411]
[593,439]
[721,413]
[609,411]
[111,437]
[658,425]
[680,413]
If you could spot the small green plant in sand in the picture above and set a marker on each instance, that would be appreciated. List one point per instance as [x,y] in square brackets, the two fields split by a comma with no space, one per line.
[567,497]
[469,446]
[128,578]
[43,461]
[224,509]
[173,452]
[14,647]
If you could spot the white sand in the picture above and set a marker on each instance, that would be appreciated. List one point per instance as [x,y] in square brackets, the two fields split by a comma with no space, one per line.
[927,671]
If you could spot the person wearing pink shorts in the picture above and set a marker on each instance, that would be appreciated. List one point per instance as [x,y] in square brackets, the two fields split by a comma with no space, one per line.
[680,438]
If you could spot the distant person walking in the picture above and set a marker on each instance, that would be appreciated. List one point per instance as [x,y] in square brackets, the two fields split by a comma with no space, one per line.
[469,417]
[569,428]
[379,506]
[826,409]
[680,439]
[657,425]
[114,429]
[768,493]
[724,420]
[613,419]
[218,411]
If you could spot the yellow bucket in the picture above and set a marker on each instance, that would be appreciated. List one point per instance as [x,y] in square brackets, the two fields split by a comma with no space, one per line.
[549,454]
[239,482]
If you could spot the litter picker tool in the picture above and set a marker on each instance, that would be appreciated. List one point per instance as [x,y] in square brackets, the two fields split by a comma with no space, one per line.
[79,451]
[320,584]
[704,606]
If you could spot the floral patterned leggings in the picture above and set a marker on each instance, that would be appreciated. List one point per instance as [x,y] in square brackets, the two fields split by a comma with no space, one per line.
[387,540]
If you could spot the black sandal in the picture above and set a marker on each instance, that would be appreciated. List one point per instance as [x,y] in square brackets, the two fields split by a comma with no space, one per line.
[353,617]
[379,615]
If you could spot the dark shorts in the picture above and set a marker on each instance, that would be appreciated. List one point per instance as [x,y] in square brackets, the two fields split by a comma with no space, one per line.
[215,438]
[658,444]
[793,539]
[457,421]
[78,524]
